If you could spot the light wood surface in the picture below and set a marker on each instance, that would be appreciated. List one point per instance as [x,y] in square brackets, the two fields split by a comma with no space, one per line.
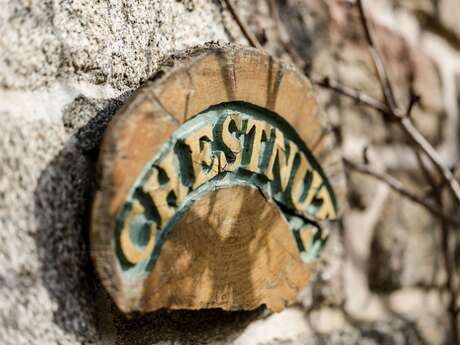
[232,249]
[240,256]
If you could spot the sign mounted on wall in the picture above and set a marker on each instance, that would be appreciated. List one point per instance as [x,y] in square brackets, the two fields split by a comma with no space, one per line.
[212,182]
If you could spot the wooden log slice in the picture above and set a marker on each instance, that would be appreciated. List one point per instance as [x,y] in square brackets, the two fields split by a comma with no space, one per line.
[215,181]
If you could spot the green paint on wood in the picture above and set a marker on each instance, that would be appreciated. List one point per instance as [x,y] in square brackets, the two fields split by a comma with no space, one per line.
[221,157]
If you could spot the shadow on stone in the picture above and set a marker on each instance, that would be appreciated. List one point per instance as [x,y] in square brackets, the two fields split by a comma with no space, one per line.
[62,207]
[181,327]
[62,199]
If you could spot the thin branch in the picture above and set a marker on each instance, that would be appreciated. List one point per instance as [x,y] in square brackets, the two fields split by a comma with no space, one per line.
[413,100]
[244,28]
[432,154]
[426,173]
[325,82]
[450,268]
[405,122]
[397,186]
[284,37]
[357,96]
[387,89]
[435,190]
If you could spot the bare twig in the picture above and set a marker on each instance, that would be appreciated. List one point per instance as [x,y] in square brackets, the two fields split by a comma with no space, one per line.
[284,37]
[430,152]
[420,141]
[244,28]
[449,265]
[426,173]
[387,89]
[398,187]
[357,96]
[413,100]
[325,82]
[405,122]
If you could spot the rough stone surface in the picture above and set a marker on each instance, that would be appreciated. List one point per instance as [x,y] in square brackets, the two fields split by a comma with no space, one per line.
[45,272]
[104,42]
[67,66]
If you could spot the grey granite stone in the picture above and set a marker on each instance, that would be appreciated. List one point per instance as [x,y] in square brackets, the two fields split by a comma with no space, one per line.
[65,68]
[103,42]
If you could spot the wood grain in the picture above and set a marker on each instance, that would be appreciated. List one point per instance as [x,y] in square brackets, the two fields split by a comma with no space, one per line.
[233,248]
[232,251]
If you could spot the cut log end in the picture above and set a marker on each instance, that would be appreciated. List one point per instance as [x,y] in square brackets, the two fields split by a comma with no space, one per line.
[212,181]
[232,250]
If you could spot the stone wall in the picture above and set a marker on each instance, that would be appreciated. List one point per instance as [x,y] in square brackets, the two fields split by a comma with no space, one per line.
[67,66]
